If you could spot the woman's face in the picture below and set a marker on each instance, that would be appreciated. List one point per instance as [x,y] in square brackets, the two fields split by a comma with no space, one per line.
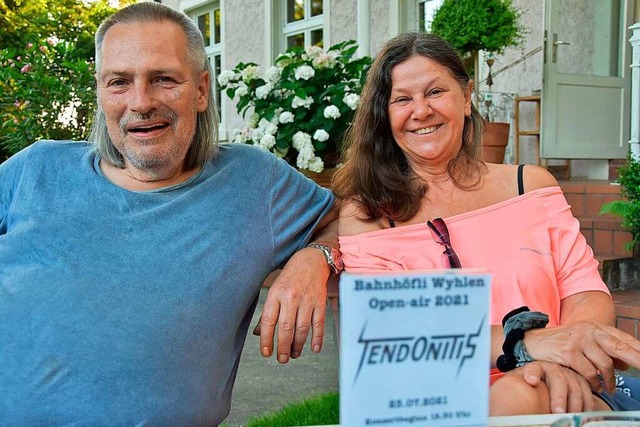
[427,108]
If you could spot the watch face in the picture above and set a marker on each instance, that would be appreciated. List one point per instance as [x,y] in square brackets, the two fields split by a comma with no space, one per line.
[333,257]
[337,259]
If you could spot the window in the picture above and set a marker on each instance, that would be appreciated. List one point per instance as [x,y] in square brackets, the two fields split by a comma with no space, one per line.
[303,23]
[209,21]
[426,10]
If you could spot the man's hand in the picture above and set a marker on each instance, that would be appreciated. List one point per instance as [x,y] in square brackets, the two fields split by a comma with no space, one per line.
[296,302]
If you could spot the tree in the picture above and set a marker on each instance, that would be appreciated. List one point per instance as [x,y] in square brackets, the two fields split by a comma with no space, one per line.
[75,21]
[47,88]
[474,25]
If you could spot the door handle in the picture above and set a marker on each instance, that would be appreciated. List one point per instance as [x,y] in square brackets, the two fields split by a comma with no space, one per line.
[554,49]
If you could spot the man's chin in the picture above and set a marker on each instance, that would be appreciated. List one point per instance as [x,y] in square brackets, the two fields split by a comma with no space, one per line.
[149,161]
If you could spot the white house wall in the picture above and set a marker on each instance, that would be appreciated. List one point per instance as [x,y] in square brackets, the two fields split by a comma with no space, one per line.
[247,31]
[342,21]
[379,31]
[244,41]
[522,66]
[244,32]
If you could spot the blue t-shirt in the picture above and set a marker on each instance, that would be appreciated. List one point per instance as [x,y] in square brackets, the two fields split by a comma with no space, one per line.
[123,308]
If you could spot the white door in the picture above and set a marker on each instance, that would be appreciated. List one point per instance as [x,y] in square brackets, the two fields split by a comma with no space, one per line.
[586,89]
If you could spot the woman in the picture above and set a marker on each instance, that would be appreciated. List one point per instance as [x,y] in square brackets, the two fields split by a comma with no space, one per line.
[412,173]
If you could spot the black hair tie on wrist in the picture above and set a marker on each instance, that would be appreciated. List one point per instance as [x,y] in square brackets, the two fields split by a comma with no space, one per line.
[515,324]
[507,361]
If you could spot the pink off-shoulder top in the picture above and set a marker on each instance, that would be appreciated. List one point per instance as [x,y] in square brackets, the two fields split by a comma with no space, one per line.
[531,244]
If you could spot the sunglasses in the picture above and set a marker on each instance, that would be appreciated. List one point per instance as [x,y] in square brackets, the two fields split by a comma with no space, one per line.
[440,234]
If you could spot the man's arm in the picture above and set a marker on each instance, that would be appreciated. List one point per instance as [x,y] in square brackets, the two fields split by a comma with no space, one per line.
[298,297]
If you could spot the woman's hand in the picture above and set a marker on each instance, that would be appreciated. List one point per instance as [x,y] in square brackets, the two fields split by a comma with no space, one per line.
[590,348]
[568,390]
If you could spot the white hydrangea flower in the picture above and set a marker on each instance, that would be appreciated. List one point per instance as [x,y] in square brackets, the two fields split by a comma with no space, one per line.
[312,51]
[299,102]
[271,129]
[331,112]
[301,163]
[242,89]
[250,73]
[321,135]
[325,60]
[225,77]
[267,142]
[300,140]
[263,123]
[304,72]
[240,135]
[306,153]
[286,117]
[276,116]
[273,74]
[256,135]
[316,165]
[351,99]
[263,91]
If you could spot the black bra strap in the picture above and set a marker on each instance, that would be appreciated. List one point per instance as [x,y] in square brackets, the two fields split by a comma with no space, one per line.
[520,180]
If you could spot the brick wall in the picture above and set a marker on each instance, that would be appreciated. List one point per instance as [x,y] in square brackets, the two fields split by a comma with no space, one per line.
[603,232]
[607,238]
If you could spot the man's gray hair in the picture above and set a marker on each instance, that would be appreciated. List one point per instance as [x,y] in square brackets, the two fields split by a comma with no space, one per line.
[204,144]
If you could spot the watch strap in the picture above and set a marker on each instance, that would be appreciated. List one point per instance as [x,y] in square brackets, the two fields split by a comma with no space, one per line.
[331,255]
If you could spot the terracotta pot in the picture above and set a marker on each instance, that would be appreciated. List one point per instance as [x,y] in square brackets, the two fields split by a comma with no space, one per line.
[494,141]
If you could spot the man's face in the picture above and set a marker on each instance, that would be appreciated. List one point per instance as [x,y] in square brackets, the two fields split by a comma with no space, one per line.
[150,95]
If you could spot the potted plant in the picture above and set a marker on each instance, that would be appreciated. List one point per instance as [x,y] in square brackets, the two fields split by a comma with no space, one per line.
[624,273]
[474,25]
[301,107]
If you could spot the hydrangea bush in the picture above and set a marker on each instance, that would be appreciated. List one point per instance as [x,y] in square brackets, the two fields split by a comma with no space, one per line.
[301,107]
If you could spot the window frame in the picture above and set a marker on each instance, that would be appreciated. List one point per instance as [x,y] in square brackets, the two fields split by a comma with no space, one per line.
[304,26]
[404,15]
[277,30]
[214,51]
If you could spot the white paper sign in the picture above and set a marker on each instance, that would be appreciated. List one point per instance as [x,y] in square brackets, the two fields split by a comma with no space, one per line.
[415,348]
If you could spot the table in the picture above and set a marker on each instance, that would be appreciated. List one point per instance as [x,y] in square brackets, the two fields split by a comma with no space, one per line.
[548,419]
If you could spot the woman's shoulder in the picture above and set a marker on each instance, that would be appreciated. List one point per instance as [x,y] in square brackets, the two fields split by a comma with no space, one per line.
[354,221]
[533,177]
[536,177]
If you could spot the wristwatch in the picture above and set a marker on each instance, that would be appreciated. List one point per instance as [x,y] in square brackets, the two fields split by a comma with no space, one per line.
[333,257]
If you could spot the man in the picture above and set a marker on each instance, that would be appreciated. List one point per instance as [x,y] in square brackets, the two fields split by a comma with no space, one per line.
[130,268]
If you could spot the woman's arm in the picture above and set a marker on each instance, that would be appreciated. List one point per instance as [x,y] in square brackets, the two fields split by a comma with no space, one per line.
[587,306]
[585,340]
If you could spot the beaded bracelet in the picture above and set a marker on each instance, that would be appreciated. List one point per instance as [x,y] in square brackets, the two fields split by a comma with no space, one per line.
[515,324]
